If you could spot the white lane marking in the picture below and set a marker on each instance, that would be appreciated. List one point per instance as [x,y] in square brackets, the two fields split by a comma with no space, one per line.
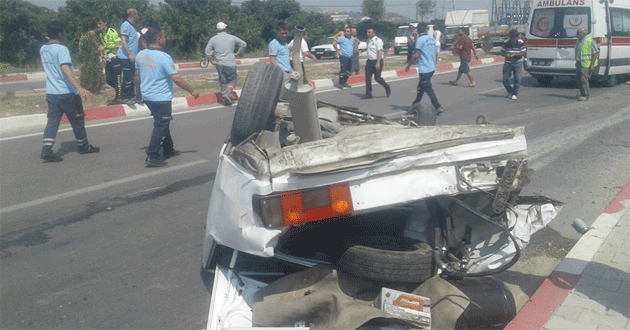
[86,190]
[415,76]
[491,90]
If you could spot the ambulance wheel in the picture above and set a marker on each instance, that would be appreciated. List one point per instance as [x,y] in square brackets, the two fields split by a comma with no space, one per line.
[388,259]
[611,81]
[544,80]
[257,101]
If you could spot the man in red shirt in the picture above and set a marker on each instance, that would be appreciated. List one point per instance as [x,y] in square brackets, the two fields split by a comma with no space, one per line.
[464,46]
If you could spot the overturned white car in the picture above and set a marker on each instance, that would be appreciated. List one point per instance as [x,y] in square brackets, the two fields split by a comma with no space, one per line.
[384,202]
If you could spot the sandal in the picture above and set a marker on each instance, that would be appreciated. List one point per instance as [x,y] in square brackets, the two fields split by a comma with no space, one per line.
[471,85]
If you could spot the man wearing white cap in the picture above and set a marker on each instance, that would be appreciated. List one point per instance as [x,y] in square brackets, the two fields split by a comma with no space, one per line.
[220,49]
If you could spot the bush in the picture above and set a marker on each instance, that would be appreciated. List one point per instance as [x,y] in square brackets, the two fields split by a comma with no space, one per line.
[487,43]
[92,77]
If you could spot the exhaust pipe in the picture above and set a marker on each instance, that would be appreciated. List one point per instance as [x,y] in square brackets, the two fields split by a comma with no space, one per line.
[302,103]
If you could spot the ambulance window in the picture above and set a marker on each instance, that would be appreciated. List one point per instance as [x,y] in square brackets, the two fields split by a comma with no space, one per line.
[620,22]
[559,22]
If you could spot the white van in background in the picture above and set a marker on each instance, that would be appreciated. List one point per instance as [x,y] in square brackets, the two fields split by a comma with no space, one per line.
[400,40]
[551,38]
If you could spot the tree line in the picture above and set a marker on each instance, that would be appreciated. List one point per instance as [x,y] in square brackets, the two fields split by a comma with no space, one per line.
[188,24]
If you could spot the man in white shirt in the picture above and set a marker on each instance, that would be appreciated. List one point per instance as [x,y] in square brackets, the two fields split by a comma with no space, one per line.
[303,51]
[439,38]
[374,64]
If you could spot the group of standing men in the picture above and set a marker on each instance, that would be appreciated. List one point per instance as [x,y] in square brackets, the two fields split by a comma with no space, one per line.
[151,70]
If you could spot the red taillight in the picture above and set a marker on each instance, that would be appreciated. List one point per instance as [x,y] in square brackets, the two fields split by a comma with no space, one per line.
[300,206]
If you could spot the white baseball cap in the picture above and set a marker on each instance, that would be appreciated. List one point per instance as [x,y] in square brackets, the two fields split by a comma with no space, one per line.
[221,26]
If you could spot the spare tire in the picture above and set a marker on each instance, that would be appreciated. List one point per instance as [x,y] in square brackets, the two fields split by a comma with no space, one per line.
[422,114]
[257,101]
[389,259]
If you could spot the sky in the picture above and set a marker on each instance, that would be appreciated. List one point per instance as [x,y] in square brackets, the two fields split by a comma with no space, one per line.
[401,7]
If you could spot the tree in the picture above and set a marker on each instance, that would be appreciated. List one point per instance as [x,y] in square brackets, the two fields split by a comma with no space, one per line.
[425,7]
[91,69]
[374,9]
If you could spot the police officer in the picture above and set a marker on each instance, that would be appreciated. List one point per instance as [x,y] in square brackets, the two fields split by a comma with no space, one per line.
[110,42]
[155,72]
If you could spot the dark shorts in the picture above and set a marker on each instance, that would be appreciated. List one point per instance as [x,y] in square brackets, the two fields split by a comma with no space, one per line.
[464,66]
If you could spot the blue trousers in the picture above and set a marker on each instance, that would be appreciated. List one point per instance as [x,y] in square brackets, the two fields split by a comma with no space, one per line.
[161,134]
[128,74]
[510,69]
[71,105]
[345,69]
[424,85]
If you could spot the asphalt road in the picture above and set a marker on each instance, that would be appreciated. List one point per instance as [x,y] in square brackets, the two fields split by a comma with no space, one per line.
[99,241]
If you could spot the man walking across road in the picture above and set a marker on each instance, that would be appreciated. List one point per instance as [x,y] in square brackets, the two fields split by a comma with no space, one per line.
[464,47]
[425,53]
[220,49]
[513,50]
[586,56]
[127,55]
[155,73]
[63,94]
[374,64]
[344,47]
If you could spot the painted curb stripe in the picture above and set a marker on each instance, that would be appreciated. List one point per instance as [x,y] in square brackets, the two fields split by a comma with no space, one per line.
[544,302]
[103,112]
[550,295]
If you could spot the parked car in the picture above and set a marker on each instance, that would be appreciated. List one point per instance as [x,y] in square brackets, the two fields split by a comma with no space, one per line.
[327,49]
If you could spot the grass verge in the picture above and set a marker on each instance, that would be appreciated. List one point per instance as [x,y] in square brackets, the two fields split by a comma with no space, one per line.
[12,104]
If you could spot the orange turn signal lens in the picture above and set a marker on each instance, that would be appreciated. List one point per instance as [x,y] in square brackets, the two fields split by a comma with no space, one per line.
[300,206]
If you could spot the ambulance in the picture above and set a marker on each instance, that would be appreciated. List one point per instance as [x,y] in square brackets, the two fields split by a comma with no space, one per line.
[551,38]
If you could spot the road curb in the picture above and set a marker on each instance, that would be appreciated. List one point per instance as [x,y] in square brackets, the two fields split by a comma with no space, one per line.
[554,290]
[180,103]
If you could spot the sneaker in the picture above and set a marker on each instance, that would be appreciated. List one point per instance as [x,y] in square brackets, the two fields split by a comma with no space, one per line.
[154,162]
[128,101]
[226,100]
[388,91]
[439,111]
[53,158]
[173,153]
[366,96]
[346,85]
[582,98]
[89,150]
[339,86]
[513,97]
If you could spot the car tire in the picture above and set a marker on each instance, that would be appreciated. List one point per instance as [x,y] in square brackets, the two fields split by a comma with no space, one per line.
[611,81]
[204,63]
[423,115]
[388,259]
[257,101]
[544,80]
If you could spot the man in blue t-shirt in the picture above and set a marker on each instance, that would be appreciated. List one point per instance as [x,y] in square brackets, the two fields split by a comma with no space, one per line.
[155,74]
[127,55]
[63,94]
[279,49]
[425,53]
[344,46]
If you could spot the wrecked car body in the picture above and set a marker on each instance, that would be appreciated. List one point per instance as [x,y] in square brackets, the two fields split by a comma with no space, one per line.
[377,202]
